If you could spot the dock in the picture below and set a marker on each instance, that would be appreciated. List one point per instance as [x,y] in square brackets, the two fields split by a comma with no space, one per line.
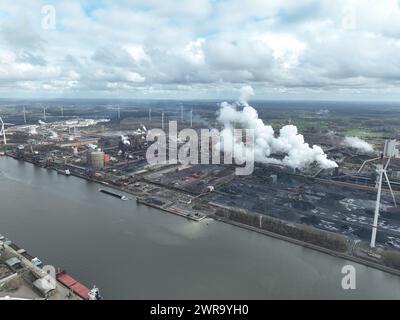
[21,279]
[170,209]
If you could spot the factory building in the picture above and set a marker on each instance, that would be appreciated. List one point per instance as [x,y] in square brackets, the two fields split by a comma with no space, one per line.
[95,159]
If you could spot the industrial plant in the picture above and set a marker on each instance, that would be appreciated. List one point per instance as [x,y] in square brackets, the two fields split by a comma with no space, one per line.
[340,198]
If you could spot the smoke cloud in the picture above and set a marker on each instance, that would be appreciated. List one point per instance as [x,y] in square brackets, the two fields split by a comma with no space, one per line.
[298,154]
[53,134]
[358,144]
[245,93]
[125,140]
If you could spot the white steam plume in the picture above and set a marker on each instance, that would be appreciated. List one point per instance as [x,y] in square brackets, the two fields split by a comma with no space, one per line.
[298,153]
[32,130]
[125,140]
[245,93]
[358,144]
[53,134]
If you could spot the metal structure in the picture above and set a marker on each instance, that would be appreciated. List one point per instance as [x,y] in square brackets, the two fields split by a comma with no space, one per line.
[3,131]
[96,159]
[182,113]
[389,152]
[24,111]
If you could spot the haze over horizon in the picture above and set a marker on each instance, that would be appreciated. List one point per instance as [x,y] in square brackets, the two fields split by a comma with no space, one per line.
[207,49]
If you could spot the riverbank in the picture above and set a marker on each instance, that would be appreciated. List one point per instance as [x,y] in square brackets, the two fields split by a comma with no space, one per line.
[313,247]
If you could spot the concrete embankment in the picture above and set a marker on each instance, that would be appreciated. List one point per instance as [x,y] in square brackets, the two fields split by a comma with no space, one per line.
[346,253]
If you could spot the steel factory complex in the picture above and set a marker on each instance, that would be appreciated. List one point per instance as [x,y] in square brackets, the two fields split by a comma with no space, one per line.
[330,210]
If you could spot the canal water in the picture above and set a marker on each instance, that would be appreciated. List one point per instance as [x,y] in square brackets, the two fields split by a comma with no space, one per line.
[132,251]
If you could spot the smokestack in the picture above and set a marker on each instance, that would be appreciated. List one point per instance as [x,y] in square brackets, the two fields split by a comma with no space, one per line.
[191,118]
[182,113]
[119,113]
[44,113]
[162,120]
[149,114]
[24,115]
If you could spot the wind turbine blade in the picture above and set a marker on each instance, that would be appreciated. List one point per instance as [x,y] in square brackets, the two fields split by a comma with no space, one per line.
[387,164]
[390,187]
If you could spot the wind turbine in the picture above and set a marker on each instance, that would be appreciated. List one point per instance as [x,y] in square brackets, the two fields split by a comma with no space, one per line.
[182,112]
[3,130]
[24,111]
[381,170]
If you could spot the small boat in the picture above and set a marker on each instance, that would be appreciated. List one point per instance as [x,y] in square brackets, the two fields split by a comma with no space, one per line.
[37,262]
[94,294]
[114,194]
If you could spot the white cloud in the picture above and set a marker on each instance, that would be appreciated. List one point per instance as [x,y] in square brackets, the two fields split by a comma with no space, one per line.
[286,49]
[337,48]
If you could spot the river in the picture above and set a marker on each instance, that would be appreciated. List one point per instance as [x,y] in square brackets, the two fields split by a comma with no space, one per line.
[132,251]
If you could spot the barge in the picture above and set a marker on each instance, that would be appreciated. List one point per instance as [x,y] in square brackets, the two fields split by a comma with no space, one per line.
[116,195]
[78,288]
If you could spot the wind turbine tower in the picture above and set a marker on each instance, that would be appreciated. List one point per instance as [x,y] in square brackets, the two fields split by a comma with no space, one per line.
[3,131]
[181,112]
[24,112]
[389,152]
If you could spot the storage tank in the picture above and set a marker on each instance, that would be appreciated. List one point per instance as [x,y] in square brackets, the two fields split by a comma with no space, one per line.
[96,159]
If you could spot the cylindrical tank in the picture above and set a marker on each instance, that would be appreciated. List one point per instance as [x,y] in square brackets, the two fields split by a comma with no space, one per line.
[96,159]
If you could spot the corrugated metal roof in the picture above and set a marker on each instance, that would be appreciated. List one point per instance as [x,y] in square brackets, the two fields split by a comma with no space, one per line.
[80,290]
[65,279]
[74,285]
[13,261]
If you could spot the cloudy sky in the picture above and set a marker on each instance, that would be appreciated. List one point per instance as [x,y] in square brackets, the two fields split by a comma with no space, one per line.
[284,49]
